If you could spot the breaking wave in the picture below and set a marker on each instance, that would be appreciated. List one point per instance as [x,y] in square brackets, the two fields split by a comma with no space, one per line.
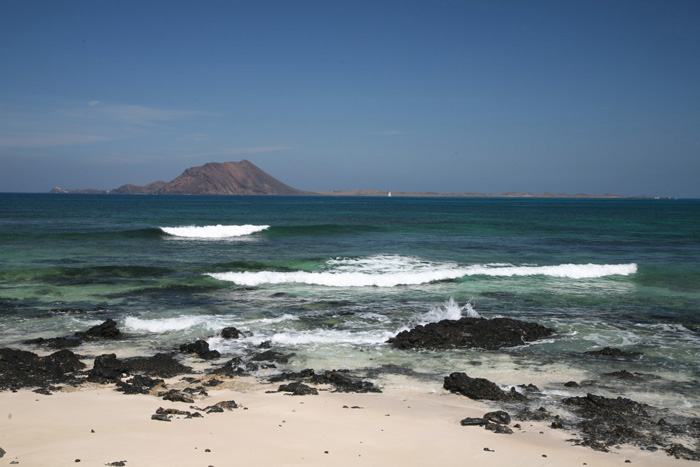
[214,231]
[392,271]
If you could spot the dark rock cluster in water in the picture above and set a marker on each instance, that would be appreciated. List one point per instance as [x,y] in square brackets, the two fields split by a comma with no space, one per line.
[481,333]
[106,330]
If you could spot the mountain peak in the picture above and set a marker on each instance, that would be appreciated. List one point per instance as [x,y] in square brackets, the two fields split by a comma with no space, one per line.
[228,178]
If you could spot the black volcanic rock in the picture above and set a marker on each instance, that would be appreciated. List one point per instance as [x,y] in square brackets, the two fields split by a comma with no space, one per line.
[21,369]
[106,330]
[490,334]
[609,422]
[232,333]
[479,388]
[298,388]
[612,352]
[201,349]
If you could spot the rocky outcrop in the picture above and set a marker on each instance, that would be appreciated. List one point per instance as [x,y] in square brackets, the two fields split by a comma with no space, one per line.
[106,330]
[479,333]
[22,369]
[480,388]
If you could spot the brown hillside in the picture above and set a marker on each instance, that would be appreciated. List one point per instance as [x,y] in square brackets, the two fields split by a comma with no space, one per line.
[227,178]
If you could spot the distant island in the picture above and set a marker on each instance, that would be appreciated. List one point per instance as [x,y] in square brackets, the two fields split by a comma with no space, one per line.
[245,178]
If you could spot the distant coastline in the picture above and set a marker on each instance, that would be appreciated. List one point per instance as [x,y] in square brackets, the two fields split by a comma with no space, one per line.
[243,178]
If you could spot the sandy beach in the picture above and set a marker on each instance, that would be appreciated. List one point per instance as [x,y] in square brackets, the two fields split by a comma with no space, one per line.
[94,425]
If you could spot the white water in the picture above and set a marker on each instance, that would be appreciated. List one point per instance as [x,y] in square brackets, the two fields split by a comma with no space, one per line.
[169,324]
[214,231]
[392,271]
[450,310]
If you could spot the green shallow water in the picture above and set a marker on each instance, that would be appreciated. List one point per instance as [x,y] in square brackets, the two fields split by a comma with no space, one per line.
[332,278]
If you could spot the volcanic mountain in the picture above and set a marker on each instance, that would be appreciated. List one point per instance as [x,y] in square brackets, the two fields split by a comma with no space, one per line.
[214,178]
[227,178]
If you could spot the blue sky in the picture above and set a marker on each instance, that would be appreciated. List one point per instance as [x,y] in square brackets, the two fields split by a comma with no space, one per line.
[447,96]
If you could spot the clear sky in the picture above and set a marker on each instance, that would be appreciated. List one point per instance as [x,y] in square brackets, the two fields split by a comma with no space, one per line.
[593,96]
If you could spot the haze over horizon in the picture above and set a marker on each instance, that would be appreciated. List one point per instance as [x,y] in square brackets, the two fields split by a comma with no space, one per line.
[451,96]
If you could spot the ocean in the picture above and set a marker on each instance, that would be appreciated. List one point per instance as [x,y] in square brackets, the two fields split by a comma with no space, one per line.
[330,279]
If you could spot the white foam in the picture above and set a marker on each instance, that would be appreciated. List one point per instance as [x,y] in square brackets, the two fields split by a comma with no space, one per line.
[392,271]
[571,271]
[450,310]
[214,231]
[330,337]
[167,324]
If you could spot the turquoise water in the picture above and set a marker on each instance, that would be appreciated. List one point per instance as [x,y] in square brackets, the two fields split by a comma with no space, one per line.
[330,279]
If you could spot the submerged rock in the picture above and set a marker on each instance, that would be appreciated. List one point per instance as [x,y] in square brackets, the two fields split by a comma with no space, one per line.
[479,388]
[612,352]
[106,330]
[482,333]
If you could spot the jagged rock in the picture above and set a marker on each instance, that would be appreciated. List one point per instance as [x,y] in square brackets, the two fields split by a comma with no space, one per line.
[2,452]
[221,406]
[139,384]
[160,417]
[538,415]
[611,422]
[490,334]
[160,365]
[232,333]
[498,428]
[270,356]
[343,382]
[681,452]
[107,368]
[479,388]
[201,349]
[21,369]
[162,411]
[473,421]
[298,389]
[288,375]
[235,367]
[106,330]
[498,417]
[175,396]
[623,374]
[611,352]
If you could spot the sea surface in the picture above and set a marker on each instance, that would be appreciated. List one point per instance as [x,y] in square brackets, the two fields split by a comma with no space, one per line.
[330,279]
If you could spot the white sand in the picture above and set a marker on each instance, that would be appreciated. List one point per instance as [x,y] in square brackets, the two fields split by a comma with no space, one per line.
[399,427]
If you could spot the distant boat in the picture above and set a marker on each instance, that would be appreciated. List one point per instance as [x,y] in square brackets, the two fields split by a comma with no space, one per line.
[389,195]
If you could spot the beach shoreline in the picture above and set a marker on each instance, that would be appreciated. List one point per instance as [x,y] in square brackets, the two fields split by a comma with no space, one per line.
[99,426]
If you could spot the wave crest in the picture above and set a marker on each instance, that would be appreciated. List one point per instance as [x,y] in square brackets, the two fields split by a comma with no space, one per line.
[392,271]
[214,231]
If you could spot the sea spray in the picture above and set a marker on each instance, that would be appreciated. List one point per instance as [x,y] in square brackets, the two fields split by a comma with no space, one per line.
[450,310]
